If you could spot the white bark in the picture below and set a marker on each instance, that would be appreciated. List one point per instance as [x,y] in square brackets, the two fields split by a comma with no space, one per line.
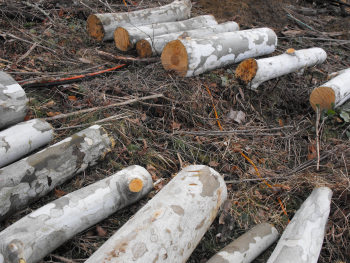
[212,52]
[136,33]
[13,101]
[45,229]
[28,179]
[248,246]
[157,44]
[168,227]
[102,26]
[302,239]
[21,139]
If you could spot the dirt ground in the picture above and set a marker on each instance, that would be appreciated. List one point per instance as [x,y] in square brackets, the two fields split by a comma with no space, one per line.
[278,134]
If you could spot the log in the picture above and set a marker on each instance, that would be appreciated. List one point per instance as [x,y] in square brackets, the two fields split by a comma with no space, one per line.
[126,37]
[45,229]
[154,46]
[190,57]
[28,179]
[21,139]
[302,239]
[248,246]
[13,101]
[171,224]
[101,26]
[253,72]
[335,92]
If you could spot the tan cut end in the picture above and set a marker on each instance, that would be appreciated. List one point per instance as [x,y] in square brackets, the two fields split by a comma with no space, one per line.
[174,57]
[322,96]
[122,39]
[246,70]
[95,28]
[290,51]
[144,49]
[135,185]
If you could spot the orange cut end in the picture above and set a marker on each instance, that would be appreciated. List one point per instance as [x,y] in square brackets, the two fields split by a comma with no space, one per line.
[122,39]
[95,28]
[135,185]
[322,96]
[246,70]
[175,58]
[290,51]
[143,48]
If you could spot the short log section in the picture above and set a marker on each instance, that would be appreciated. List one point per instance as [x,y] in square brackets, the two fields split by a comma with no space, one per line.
[21,139]
[171,224]
[101,26]
[45,229]
[248,246]
[190,57]
[28,179]
[125,38]
[154,46]
[253,72]
[302,239]
[13,101]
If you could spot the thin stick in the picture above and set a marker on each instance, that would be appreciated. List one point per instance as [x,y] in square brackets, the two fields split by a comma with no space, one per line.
[27,53]
[318,116]
[123,58]
[216,114]
[63,259]
[35,6]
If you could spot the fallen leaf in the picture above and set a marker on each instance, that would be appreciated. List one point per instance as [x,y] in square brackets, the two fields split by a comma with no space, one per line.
[100,231]
[52,114]
[213,164]
[72,98]
[59,193]
[312,154]
[280,122]
[175,125]
[237,116]
[28,116]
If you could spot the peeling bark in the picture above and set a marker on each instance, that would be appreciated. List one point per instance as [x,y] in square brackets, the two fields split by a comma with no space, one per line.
[254,72]
[30,178]
[155,45]
[21,139]
[190,57]
[335,92]
[168,227]
[45,229]
[248,246]
[102,26]
[13,101]
[302,239]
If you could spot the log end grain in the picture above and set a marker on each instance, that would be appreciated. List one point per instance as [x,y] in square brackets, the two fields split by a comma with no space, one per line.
[175,58]
[246,70]
[143,48]
[122,39]
[322,96]
[95,28]
[135,185]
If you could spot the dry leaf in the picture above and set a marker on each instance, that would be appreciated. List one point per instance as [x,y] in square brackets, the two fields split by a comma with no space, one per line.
[72,98]
[213,164]
[100,231]
[59,193]
[52,114]
[237,116]
[312,154]
[175,125]
[280,122]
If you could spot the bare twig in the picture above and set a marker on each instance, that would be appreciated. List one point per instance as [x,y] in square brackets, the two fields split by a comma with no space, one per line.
[123,58]
[318,116]
[39,9]
[63,259]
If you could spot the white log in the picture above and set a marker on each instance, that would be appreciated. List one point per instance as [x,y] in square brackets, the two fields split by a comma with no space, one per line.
[248,246]
[335,92]
[154,46]
[302,239]
[45,229]
[189,57]
[126,37]
[171,224]
[13,101]
[101,26]
[21,139]
[254,72]
[28,179]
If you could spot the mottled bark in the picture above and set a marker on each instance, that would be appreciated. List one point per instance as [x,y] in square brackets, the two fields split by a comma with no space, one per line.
[102,26]
[168,227]
[254,72]
[45,229]
[248,246]
[13,101]
[21,139]
[190,57]
[302,239]
[155,45]
[335,92]
[28,179]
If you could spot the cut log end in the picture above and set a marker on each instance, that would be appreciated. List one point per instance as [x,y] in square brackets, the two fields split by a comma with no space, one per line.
[122,39]
[136,185]
[322,96]
[144,49]
[175,58]
[246,70]
[95,28]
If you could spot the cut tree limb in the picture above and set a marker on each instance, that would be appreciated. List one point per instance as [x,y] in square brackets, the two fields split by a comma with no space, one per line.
[13,101]
[190,57]
[154,46]
[21,139]
[335,92]
[30,178]
[45,229]
[171,224]
[126,37]
[302,239]
[248,246]
[253,72]
[101,26]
